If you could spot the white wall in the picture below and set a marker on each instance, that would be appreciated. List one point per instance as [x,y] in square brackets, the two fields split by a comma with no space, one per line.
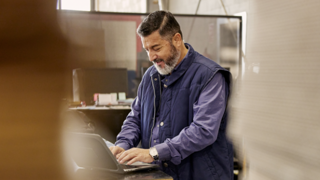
[276,105]
[121,42]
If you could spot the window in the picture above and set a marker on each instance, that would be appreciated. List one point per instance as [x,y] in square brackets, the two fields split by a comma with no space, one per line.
[136,6]
[79,5]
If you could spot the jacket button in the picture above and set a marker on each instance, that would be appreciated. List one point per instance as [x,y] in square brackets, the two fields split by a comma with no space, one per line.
[165,86]
[155,79]
[161,124]
[166,79]
[165,164]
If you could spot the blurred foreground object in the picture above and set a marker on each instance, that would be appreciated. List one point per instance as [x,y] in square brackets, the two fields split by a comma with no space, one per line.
[275,114]
[32,76]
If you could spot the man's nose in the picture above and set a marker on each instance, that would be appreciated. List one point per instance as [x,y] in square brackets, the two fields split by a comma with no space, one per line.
[152,56]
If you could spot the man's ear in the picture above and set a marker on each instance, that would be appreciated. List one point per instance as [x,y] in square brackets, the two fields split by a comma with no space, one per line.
[176,39]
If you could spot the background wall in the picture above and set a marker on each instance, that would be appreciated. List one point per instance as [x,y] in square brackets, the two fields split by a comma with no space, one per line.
[102,43]
[277,102]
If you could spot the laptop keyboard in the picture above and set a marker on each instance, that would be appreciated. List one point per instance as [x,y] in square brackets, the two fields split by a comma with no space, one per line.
[128,166]
[137,166]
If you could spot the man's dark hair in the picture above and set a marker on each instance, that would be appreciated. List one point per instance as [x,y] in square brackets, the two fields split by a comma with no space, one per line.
[160,20]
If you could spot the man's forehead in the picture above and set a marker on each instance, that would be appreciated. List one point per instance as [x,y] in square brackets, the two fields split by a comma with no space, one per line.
[154,39]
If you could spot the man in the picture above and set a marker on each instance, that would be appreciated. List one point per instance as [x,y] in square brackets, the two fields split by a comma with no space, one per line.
[179,114]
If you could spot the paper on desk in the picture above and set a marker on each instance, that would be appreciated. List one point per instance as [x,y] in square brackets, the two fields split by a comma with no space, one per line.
[122,95]
[114,98]
[106,99]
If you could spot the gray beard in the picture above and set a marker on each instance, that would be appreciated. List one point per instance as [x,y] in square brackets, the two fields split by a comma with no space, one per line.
[171,62]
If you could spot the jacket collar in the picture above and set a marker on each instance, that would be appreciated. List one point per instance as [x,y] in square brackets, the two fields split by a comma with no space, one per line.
[180,69]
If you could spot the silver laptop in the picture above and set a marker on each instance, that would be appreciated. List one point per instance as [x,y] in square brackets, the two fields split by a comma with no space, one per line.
[89,151]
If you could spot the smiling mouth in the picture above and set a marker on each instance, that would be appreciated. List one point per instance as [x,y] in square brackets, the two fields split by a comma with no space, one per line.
[157,61]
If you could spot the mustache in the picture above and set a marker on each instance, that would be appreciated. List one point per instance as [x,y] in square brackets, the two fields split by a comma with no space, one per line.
[157,60]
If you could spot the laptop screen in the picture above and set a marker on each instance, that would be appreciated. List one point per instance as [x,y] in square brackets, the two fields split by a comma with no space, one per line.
[90,152]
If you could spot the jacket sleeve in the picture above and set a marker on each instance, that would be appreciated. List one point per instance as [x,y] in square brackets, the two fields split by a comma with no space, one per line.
[130,131]
[203,131]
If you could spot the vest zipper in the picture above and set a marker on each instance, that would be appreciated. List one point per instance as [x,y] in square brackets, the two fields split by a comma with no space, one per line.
[154,107]
[160,92]
[154,111]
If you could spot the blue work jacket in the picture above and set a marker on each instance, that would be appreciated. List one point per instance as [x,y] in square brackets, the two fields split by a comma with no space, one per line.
[180,92]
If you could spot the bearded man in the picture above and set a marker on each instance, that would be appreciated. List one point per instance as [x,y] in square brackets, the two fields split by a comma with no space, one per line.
[179,114]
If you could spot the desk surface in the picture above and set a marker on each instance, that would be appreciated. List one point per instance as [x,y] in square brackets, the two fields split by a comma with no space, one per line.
[139,175]
[126,107]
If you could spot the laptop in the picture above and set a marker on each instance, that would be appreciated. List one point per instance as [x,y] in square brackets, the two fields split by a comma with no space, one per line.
[89,151]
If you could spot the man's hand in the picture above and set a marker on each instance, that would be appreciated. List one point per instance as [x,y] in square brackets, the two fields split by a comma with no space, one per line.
[116,150]
[135,154]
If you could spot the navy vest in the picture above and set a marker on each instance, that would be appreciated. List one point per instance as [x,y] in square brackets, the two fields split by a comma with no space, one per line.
[179,94]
